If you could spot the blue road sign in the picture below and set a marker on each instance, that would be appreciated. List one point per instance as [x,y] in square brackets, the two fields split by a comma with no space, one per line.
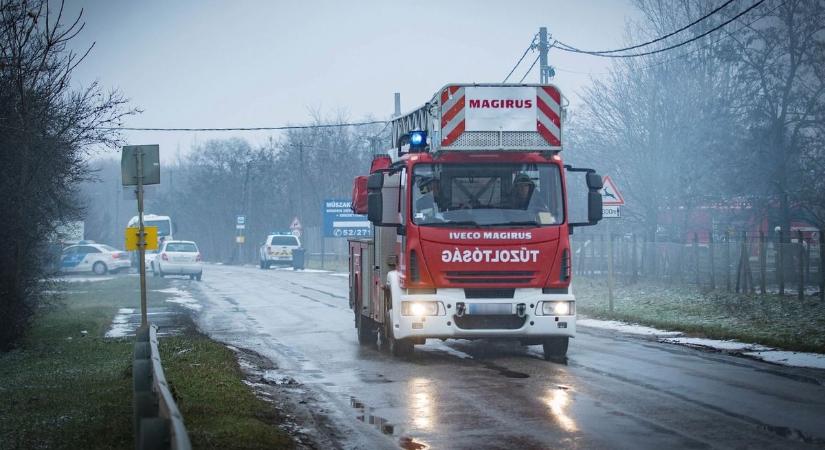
[341,222]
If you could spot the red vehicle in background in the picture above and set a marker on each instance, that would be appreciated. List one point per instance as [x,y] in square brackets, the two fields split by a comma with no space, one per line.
[471,224]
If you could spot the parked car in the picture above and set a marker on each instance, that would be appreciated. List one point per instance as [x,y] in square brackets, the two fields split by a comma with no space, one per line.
[277,249]
[178,258]
[90,257]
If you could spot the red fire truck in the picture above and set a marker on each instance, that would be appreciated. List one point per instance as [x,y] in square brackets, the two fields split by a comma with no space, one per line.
[471,224]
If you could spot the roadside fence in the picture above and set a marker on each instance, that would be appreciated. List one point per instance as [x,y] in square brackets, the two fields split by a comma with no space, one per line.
[745,262]
[158,423]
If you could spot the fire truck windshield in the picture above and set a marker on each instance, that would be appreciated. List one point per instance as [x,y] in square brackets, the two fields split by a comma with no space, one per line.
[453,194]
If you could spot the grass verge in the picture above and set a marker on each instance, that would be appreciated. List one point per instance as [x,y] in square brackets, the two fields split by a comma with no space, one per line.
[63,388]
[782,322]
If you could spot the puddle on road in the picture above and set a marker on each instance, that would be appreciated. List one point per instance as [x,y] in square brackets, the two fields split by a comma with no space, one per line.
[503,370]
[364,414]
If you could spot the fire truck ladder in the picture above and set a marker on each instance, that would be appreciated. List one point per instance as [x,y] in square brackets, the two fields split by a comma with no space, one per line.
[415,120]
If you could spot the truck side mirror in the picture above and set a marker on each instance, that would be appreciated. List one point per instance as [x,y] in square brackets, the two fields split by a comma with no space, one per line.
[375,181]
[375,201]
[594,197]
[594,181]
[594,205]
[375,207]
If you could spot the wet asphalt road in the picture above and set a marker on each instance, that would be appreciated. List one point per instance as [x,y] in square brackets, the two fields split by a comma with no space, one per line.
[616,391]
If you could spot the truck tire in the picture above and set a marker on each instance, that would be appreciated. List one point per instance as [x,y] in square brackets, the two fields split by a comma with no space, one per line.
[99,268]
[396,347]
[555,348]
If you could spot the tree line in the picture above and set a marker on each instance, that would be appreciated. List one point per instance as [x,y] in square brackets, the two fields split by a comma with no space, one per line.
[219,179]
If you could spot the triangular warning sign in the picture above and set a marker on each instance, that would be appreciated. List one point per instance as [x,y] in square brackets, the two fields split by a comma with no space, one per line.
[611,195]
[296,224]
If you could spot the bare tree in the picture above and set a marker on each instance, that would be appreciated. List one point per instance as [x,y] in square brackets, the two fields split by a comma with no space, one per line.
[781,60]
[46,129]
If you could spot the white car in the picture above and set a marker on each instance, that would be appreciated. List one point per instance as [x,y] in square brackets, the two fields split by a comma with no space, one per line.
[178,258]
[277,249]
[97,258]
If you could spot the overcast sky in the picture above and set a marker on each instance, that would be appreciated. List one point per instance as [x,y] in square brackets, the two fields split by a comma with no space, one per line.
[203,64]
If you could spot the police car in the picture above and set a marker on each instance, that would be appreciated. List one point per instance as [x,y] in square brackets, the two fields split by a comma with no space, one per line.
[92,257]
[277,249]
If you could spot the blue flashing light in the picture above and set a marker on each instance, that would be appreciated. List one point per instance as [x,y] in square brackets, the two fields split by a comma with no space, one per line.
[418,139]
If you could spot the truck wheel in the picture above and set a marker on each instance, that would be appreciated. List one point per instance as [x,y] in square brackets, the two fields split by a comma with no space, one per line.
[396,347]
[99,268]
[555,348]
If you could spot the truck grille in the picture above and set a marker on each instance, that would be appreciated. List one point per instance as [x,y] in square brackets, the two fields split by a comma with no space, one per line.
[489,292]
[506,140]
[490,277]
[496,322]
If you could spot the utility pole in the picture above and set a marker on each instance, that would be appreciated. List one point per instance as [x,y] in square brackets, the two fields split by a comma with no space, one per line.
[545,71]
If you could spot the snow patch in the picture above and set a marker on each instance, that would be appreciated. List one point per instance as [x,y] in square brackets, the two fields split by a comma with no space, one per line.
[786,358]
[120,324]
[756,351]
[311,270]
[181,297]
[715,344]
[339,274]
[625,327]
[69,279]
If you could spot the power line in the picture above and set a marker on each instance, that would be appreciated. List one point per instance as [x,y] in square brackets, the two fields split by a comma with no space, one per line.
[683,55]
[634,55]
[661,38]
[530,69]
[285,127]
[529,47]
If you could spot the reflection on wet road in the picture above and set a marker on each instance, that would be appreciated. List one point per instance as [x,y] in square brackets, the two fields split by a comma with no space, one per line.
[616,391]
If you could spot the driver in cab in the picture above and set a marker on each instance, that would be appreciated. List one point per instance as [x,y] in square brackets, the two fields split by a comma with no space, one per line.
[526,197]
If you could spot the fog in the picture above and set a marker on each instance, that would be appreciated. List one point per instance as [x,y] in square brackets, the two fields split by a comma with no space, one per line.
[259,63]
[698,138]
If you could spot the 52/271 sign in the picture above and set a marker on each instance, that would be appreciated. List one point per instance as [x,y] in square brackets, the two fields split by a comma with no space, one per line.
[341,222]
[352,232]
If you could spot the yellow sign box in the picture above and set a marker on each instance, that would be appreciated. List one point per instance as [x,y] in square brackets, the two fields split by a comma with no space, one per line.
[132,238]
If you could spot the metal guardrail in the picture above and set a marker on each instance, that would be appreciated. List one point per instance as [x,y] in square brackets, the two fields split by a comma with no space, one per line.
[157,421]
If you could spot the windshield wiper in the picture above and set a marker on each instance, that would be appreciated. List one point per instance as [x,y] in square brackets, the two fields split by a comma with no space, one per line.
[458,223]
[517,223]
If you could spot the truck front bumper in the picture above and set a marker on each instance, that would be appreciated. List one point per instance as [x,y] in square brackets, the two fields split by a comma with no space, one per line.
[520,317]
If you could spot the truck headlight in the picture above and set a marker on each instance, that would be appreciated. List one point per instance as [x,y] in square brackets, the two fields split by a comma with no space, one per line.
[419,308]
[557,308]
